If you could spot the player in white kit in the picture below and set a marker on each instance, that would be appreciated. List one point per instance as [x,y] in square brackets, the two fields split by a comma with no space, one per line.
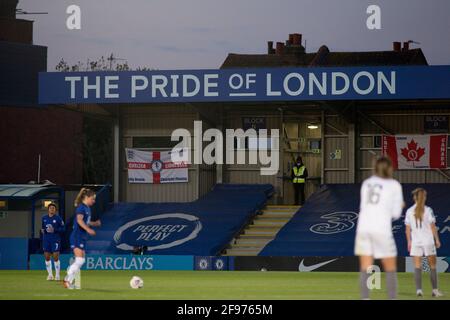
[423,239]
[381,203]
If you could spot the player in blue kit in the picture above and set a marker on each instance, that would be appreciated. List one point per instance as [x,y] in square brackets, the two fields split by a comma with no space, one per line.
[81,230]
[52,228]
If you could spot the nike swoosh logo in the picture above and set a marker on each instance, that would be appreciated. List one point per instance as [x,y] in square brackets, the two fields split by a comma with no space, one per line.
[303,268]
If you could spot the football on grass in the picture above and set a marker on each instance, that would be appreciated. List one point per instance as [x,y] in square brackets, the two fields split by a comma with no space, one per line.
[136,283]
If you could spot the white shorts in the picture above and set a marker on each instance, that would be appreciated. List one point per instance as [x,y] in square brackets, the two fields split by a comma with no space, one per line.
[423,250]
[377,246]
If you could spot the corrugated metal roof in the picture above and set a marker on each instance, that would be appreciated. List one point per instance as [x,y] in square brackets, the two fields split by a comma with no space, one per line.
[22,190]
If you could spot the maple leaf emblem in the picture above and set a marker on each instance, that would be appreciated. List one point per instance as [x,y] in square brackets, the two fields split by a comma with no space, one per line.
[412,152]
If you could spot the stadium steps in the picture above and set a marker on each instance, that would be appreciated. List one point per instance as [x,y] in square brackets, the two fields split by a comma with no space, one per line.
[261,230]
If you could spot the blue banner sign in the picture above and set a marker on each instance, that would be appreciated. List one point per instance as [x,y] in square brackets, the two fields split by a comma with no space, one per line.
[121,262]
[13,253]
[262,84]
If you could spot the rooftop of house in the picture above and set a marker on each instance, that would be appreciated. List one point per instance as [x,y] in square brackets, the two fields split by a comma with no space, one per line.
[292,53]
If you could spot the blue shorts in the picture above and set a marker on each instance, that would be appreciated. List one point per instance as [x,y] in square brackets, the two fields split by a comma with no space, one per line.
[51,246]
[77,242]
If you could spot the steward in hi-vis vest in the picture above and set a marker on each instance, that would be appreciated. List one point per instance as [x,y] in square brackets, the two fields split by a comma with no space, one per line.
[299,175]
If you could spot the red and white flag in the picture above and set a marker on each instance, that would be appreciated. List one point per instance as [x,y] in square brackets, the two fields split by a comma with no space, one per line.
[154,167]
[416,151]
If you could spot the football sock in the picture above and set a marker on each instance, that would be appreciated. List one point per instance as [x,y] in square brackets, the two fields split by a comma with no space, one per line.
[433,276]
[418,278]
[363,277]
[57,267]
[48,266]
[74,268]
[391,284]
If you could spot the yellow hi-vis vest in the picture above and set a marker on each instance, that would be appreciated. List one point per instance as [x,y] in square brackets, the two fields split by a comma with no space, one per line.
[297,173]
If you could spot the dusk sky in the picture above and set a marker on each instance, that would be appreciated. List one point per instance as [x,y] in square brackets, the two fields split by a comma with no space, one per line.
[197,34]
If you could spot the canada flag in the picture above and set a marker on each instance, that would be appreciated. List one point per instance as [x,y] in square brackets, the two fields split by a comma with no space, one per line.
[416,151]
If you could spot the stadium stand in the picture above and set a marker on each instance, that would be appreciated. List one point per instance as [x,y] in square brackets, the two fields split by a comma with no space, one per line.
[325,225]
[261,230]
[201,227]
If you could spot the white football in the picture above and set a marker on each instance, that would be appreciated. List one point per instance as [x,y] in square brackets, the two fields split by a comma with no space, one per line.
[136,282]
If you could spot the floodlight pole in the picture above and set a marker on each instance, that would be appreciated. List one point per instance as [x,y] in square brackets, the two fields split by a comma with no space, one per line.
[39,169]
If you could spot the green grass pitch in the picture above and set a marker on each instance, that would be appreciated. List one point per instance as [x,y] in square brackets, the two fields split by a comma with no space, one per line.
[190,285]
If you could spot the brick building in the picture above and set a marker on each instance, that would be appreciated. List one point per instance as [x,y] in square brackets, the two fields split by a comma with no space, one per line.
[26,129]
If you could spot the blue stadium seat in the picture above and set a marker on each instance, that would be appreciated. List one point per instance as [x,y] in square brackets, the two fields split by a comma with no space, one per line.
[202,227]
[325,225]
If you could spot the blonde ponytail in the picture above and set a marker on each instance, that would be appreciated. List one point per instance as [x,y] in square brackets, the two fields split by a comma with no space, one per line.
[84,192]
[420,196]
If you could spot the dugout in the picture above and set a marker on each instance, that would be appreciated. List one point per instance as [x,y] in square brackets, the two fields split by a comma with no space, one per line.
[22,208]
[338,135]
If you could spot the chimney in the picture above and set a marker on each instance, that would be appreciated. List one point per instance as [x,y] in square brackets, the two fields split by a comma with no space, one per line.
[279,48]
[291,38]
[270,47]
[8,8]
[397,46]
[296,39]
[406,46]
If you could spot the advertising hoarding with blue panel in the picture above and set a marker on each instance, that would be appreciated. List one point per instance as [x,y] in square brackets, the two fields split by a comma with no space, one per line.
[13,253]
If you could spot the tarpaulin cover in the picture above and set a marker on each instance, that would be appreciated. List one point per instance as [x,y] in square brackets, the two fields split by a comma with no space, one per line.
[202,227]
[325,225]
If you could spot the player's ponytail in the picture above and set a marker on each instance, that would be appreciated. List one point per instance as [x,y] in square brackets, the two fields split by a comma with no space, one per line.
[383,168]
[84,192]
[419,196]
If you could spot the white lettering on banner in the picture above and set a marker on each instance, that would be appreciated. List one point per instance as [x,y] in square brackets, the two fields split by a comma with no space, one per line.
[153,236]
[174,93]
[119,263]
[382,79]
[269,90]
[334,80]
[98,264]
[294,84]
[157,232]
[322,86]
[110,86]
[301,84]
[158,84]
[89,263]
[371,79]
[160,228]
[138,83]
[209,84]
[133,264]
[109,263]
[95,87]
[72,81]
